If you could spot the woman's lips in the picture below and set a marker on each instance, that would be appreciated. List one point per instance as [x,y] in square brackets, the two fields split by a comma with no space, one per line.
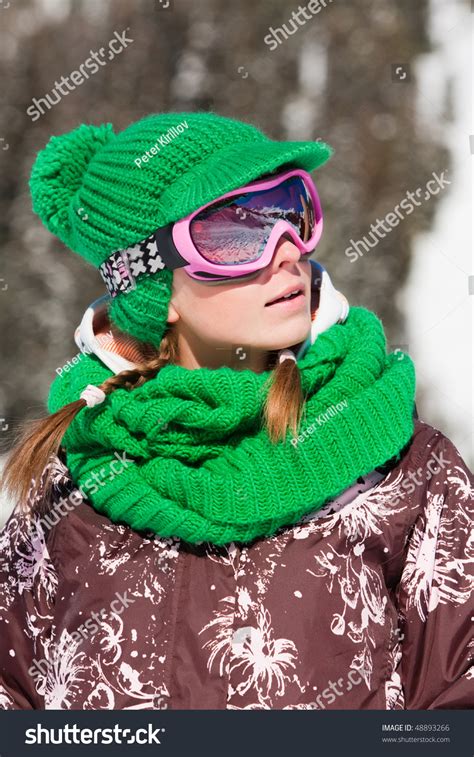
[292,303]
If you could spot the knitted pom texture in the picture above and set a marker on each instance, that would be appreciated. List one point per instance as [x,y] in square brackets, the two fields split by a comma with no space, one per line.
[57,178]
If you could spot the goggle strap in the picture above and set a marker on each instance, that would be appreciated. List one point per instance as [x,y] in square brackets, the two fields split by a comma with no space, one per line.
[121,269]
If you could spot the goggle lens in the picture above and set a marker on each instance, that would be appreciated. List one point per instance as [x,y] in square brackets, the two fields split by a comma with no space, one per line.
[237,229]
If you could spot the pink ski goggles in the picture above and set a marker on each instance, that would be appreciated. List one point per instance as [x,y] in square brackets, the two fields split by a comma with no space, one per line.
[232,237]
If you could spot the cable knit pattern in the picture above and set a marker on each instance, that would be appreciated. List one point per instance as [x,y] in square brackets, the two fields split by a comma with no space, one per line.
[204,468]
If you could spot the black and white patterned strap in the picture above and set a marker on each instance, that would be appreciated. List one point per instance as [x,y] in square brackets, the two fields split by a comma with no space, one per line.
[121,268]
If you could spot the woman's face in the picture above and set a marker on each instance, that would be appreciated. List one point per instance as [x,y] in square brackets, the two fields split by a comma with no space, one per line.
[232,324]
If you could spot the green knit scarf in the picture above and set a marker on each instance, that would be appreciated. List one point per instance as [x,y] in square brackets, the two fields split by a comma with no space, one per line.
[199,463]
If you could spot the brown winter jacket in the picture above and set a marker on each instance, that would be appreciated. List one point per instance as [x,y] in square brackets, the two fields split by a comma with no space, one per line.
[365,604]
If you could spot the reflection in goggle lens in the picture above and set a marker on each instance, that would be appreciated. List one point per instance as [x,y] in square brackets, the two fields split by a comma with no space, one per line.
[236,230]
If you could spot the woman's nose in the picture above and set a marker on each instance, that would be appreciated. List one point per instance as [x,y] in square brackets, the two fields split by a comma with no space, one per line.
[285,251]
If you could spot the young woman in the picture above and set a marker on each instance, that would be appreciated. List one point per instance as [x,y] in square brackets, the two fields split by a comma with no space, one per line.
[232,503]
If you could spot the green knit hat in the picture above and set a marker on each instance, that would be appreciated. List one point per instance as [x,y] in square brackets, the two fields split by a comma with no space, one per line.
[100,192]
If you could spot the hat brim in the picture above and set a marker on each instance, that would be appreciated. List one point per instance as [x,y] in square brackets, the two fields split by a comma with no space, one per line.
[237,165]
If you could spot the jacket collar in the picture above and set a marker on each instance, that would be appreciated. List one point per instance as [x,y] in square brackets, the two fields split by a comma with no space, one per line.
[93,335]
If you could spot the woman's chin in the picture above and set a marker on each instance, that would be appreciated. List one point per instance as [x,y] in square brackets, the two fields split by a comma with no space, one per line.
[292,339]
[294,329]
